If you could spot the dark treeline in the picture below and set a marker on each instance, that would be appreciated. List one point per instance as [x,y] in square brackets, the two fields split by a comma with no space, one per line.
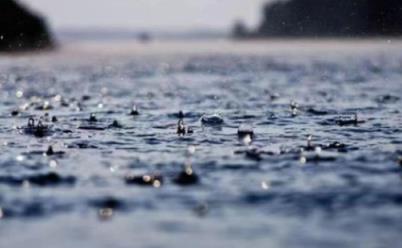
[328,18]
[20,29]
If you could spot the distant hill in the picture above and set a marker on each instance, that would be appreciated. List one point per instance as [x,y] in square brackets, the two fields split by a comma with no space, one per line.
[21,30]
[328,18]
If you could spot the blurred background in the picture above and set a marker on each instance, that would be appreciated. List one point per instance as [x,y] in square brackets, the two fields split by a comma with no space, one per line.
[38,23]
[162,15]
[122,19]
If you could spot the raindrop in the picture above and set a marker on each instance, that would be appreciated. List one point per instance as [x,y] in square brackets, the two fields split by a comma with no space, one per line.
[105,213]
[265,185]
[20,158]
[53,164]
[19,93]
[245,130]
[191,150]
[134,110]
[247,140]
[187,177]
[92,118]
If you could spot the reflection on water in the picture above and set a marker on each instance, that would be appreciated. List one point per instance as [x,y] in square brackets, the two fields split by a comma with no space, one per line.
[268,144]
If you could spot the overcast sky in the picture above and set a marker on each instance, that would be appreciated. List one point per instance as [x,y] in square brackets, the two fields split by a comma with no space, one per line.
[148,14]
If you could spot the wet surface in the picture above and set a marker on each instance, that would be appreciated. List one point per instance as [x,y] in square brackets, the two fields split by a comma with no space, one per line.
[229,150]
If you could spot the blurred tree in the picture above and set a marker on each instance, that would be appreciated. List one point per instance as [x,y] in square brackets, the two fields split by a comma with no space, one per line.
[20,29]
[329,18]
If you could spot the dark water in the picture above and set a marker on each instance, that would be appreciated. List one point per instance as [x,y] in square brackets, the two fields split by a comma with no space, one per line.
[343,188]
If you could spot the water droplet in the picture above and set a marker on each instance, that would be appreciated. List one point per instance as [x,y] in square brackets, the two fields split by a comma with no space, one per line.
[294,108]
[156,184]
[154,180]
[189,170]
[105,213]
[113,168]
[294,112]
[265,185]
[247,140]
[187,177]
[294,105]
[191,150]
[57,98]
[19,93]
[181,128]
[134,110]
[303,159]
[146,178]
[46,105]
[245,130]
[25,106]
[20,158]
[92,118]
[309,143]
[53,164]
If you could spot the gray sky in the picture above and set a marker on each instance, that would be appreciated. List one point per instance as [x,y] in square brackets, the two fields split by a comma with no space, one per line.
[148,14]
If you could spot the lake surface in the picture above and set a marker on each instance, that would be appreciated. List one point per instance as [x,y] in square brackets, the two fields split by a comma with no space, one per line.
[309,174]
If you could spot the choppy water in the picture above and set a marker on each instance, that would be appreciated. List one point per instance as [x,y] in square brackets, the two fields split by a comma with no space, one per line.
[343,190]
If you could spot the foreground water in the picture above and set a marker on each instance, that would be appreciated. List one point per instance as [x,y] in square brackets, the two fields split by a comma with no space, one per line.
[309,175]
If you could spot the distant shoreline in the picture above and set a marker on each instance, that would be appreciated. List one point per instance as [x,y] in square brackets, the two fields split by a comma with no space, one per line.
[131,49]
[83,49]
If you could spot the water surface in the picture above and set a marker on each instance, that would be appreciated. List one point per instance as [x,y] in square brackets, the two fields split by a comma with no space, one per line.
[344,189]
